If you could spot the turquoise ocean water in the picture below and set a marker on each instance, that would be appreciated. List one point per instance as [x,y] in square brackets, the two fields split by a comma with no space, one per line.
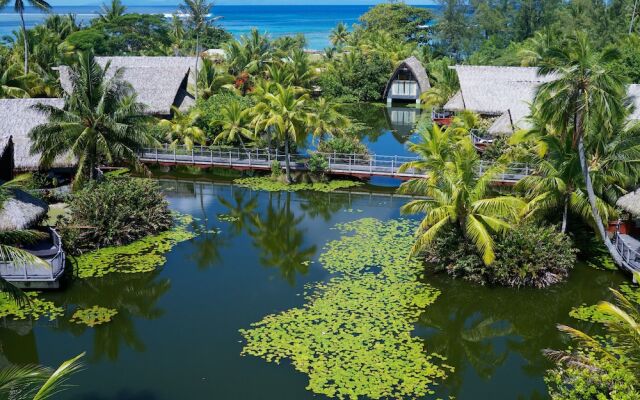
[278,20]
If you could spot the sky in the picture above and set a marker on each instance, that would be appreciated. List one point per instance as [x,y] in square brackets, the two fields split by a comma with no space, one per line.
[235,2]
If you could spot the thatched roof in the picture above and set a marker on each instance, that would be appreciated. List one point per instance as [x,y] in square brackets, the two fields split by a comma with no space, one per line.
[417,70]
[21,211]
[17,118]
[630,202]
[495,91]
[160,82]
[507,92]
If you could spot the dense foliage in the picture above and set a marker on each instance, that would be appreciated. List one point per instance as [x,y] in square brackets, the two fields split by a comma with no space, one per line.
[357,77]
[115,212]
[526,256]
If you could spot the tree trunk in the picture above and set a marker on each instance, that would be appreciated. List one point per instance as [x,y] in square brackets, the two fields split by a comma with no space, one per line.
[594,208]
[197,59]
[565,214]
[26,44]
[286,159]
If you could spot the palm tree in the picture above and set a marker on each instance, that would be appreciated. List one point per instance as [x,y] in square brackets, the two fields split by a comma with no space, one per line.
[15,84]
[182,128]
[326,119]
[445,83]
[198,11]
[584,101]
[18,6]
[234,122]
[285,114]
[36,382]
[112,12]
[339,35]
[460,198]
[101,121]
[211,79]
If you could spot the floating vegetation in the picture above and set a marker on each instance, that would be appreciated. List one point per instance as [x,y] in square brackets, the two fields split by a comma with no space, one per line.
[93,316]
[35,309]
[227,218]
[143,255]
[270,185]
[593,314]
[353,336]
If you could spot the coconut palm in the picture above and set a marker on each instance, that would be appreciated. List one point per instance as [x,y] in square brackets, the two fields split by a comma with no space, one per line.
[445,84]
[585,101]
[234,123]
[339,35]
[18,6]
[112,12]
[36,382]
[15,84]
[211,79]
[284,113]
[182,128]
[101,121]
[198,11]
[326,119]
[461,198]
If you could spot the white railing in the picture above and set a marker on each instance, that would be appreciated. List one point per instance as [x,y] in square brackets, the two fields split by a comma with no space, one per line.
[27,272]
[478,140]
[441,114]
[337,163]
[629,255]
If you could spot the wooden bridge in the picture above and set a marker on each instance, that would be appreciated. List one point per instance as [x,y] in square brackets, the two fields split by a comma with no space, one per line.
[629,249]
[356,165]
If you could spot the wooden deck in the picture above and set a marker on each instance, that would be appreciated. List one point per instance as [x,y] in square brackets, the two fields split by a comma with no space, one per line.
[629,249]
[37,276]
[354,165]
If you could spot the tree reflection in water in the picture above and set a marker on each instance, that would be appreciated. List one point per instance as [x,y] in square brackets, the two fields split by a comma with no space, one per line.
[277,234]
[479,328]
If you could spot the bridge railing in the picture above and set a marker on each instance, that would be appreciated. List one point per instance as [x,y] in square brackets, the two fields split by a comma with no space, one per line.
[337,162]
[630,255]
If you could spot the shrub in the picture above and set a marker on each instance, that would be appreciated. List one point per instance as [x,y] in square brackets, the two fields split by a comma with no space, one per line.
[361,78]
[210,110]
[528,255]
[115,212]
[317,163]
[343,145]
[276,169]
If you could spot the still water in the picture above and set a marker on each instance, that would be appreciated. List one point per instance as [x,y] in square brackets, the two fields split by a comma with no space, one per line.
[176,336]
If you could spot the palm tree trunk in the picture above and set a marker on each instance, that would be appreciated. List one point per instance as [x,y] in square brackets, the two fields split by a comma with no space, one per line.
[26,43]
[197,59]
[286,159]
[565,214]
[594,208]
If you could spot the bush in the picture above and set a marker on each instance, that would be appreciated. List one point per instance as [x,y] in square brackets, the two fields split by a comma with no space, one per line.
[276,169]
[115,212]
[528,255]
[363,78]
[210,110]
[343,145]
[317,163]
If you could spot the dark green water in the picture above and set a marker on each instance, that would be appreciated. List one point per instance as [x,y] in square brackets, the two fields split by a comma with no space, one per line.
[176,336]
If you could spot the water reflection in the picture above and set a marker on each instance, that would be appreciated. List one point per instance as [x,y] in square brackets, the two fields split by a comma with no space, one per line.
[278,235]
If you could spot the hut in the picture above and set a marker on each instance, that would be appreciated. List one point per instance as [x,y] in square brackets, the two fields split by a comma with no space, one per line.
[630,203]
[160,82]
[22,211]
[17,119]
[408,82]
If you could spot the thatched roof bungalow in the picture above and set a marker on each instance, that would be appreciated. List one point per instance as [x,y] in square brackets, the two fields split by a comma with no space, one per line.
[630,202]
[506,93]
[160,82]
[408,82]
[502,92]
[21,211]
[17,118]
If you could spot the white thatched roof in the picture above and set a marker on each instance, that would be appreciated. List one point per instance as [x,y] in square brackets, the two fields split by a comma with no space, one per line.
[630,202]
[417,70]
[160,82]
[21,211]
[507,92]
[496,91]
[17,118]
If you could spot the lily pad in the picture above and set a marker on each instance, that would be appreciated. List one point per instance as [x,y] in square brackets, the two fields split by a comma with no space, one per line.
[93,316]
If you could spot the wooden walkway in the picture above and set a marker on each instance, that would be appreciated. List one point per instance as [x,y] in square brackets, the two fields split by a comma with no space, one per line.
[360,166]
[629,249]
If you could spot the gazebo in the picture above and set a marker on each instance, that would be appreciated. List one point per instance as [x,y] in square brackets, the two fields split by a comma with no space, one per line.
[408,82]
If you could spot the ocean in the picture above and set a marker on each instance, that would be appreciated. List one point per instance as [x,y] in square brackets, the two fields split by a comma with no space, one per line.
[314,21]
